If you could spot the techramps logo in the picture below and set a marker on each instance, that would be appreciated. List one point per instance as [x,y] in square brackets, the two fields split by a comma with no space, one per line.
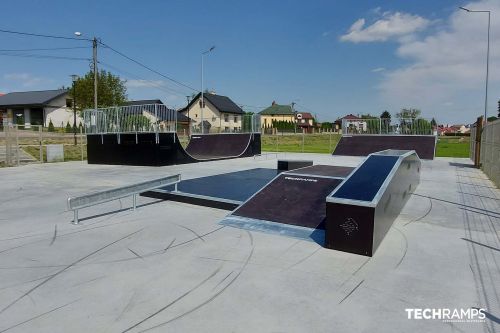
[448,315]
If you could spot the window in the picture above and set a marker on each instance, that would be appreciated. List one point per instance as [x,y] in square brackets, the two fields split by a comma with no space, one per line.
[235,119]
[69,103]
[226,129]
[226,118]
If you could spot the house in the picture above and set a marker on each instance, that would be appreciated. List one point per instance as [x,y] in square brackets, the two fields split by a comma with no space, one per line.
[37,108]
[305,121]
[220,113]
[352,124]
[276,112]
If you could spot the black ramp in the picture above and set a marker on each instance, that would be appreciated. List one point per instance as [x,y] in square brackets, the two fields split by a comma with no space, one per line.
[291,199]
[361,211]
[214,146]
[364,145]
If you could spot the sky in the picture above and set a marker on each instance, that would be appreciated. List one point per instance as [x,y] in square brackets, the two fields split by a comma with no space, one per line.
[331,58]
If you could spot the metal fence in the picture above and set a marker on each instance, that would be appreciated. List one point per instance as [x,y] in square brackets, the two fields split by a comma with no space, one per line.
[23,144]
[490,151]
[155,118]
[227,123]
[400,126]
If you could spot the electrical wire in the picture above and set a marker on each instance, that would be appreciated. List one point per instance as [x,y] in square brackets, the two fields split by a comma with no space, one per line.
[147,67]
[42,56]
[45,49]
[42,35]
[149,82]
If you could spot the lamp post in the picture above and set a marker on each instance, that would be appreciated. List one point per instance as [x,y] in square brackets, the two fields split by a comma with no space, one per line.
[74,78]
[202,100]
[94,63]
[487,59]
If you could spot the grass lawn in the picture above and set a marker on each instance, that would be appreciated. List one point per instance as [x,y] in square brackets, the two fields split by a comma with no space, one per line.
[453,146]
[312,143]
[71,152]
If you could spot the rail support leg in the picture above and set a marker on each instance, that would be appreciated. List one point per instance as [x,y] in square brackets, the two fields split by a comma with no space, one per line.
[134,201]
[175,187]
[75,217]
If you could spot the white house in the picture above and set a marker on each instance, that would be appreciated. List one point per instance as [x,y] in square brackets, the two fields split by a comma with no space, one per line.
[220,113]
[37,108]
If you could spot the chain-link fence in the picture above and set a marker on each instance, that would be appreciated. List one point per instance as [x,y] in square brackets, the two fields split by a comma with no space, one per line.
[301,142]
[21,144]
[490,151]
[400,126]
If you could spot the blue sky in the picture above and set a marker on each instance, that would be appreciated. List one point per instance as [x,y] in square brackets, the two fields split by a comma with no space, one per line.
[330,57]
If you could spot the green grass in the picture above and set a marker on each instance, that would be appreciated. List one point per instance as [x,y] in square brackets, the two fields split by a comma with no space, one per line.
[452,146]
[71,152]
[310,143]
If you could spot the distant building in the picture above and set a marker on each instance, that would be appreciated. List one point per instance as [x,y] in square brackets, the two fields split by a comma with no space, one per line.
[351,122]
[37,108]
[305,121]
[276,112]
[220,113]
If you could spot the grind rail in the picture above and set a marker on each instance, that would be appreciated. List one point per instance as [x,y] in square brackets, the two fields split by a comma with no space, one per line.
[88,200]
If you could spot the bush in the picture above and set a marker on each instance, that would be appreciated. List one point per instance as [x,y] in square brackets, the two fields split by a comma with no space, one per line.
[51,126]
[456,134]
[68,128]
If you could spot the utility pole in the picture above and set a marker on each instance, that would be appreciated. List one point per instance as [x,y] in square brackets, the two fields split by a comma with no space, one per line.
[202,99]
[94,59]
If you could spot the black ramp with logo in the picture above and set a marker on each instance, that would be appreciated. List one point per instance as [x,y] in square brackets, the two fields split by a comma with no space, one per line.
[364,145]
[291,199]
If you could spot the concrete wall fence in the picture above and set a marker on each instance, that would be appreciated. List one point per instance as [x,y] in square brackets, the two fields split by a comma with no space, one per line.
[490,151]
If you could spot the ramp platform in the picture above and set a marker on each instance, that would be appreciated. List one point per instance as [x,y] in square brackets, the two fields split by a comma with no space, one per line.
[366,144]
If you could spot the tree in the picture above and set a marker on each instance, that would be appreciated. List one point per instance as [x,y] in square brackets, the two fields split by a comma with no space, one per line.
[408,114]
[111,90]
[433,122]
[385,115]
[385,119]
[51,126]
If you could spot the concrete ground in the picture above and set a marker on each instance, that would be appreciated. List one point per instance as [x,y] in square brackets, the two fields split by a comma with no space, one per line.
[171,267]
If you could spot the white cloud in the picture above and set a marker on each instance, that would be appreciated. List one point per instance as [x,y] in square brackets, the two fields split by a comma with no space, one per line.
[389,26]
[26,80]
[445,74]
[144,83]
[378,69]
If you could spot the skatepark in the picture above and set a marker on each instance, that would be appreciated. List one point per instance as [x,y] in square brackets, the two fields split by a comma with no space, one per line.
[182,265]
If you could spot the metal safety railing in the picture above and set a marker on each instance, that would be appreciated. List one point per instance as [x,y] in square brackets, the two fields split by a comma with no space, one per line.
[399,126]
[87,200]
[150,118]
[226,123]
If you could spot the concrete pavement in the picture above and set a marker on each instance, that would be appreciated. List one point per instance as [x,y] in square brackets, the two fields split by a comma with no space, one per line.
[171,267]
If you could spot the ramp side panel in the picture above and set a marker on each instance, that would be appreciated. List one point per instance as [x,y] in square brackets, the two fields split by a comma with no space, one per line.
[209,146]
[364,145]
[358,226]
[291,199]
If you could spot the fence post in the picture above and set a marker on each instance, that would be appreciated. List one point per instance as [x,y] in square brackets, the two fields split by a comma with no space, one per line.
[40,138]
[479,129]
[330,142]
[81,142]
[7,145]
[17,145]
[303,138]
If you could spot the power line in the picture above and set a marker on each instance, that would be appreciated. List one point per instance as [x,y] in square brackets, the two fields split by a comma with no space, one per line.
[151,83]
[147,67]
[41,56]
[45,49]
[42,35]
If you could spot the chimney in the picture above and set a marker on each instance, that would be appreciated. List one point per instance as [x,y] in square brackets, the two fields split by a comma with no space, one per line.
[273,103]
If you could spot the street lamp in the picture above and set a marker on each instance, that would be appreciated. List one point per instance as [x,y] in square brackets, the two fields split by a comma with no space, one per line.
[74,78]
[202,100]
[94,63]
[487,58]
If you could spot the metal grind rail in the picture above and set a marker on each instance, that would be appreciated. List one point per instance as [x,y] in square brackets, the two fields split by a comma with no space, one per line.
[88,200]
